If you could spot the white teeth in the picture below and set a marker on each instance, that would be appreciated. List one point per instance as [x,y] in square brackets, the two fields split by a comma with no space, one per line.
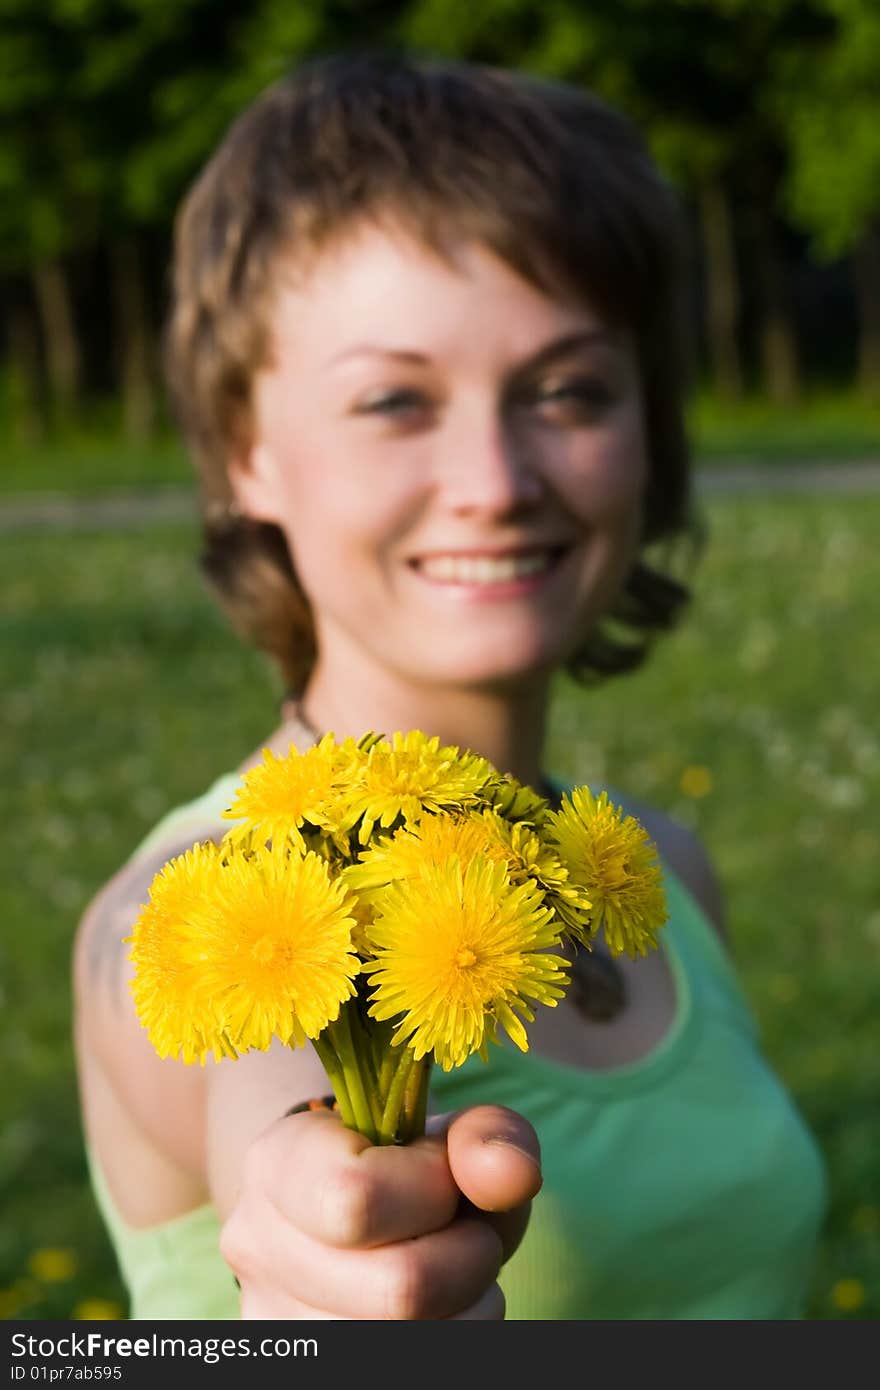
[480,569]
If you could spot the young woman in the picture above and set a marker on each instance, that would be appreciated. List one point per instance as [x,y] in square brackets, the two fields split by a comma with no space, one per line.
[425,349]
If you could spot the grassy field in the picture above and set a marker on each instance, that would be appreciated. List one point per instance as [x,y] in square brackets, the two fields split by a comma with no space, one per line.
[823,426]
[122,693]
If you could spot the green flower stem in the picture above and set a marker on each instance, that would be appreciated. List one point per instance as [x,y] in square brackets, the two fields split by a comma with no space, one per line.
[387,1066]
[365,1054]
[336,1075]
[415,1100]
[402,1060]
[363,1044]
[337,1039]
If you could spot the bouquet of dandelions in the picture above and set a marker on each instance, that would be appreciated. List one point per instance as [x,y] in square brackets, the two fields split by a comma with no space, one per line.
[396,902]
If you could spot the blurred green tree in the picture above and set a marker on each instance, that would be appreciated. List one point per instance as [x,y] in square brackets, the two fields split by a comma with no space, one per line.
[826,96]
[45,176]
[109,107]
[711,82]
[759,114]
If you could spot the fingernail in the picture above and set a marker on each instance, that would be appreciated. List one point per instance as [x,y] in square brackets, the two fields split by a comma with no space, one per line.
[528,1148]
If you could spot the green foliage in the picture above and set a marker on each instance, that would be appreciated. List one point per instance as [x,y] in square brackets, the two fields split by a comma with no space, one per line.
[826,96]
[110,107]
[45,166]
[122,693]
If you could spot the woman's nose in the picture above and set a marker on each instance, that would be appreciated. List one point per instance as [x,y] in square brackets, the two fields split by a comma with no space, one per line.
[487,468]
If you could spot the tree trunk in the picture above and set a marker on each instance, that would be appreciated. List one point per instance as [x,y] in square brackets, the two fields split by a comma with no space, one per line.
[63,357]
[867,268]
[780,367]
[24,357]
[722,289]
[135,339]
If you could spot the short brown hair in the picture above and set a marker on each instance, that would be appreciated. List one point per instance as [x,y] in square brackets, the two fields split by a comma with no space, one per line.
[543,174]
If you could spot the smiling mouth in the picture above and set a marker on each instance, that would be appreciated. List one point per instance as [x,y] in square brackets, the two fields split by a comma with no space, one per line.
[486,569]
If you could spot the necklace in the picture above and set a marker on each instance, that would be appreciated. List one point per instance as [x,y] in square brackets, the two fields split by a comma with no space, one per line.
[597,987]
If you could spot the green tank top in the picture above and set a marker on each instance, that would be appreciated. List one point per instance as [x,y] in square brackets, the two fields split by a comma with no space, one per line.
[681,1186]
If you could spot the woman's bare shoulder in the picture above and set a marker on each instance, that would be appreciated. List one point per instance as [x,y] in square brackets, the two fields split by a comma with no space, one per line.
[126,1089]
[100,949]
[100,955]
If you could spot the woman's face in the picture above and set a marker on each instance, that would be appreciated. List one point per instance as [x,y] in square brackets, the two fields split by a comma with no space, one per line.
[456,460]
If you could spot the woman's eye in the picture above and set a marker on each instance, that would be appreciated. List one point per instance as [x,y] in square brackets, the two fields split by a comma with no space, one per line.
[394,404]
[579,396]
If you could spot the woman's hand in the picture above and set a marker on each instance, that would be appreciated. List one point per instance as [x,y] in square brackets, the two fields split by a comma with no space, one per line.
[327,1225]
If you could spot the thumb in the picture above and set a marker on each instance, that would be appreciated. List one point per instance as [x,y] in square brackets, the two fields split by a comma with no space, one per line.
[495,1159]
[494,1156]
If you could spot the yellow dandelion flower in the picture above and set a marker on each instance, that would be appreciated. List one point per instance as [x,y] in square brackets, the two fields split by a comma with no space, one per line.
[611,857]
[363,912]
[430,842]
[696,781]
[96,1310]
[411,775]
[527,854]
[458,954]
[437,837]
[171,998]
[530,856]
[278,959]
[278,795]
[53,1264]
[849,1295]
[263,950]
[11,1302]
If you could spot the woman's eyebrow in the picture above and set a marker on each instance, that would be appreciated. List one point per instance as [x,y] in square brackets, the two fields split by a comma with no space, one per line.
[559,347]
[571,342]
[419,359]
